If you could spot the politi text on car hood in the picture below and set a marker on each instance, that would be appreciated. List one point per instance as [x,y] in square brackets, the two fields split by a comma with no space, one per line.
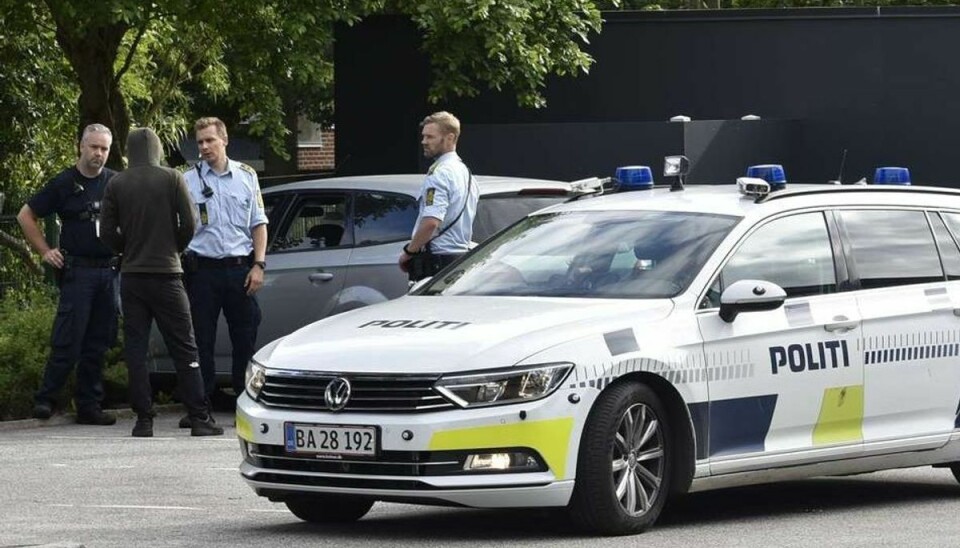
[419,334]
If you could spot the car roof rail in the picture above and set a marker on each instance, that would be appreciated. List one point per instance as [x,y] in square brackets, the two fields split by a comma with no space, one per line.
[794,192]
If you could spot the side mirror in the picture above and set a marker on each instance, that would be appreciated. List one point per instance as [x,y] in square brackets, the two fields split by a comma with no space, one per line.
[750,296]
[418,284]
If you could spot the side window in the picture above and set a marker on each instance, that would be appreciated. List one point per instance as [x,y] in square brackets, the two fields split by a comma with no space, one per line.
[793,252]
[949,253]
[381,217]
[318,222]
[892,247]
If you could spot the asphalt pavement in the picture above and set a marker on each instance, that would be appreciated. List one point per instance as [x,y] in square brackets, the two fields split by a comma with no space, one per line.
[68,485]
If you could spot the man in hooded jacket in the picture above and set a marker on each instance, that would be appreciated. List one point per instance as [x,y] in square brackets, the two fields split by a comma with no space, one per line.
[147,216]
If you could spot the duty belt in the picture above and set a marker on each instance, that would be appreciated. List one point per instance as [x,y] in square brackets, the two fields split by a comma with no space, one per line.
[226,262]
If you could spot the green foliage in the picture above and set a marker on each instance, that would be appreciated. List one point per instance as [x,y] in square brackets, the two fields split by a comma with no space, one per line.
[26,318]
[511,44]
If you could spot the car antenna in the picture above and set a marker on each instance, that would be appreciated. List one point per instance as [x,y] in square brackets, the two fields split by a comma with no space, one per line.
[843,162]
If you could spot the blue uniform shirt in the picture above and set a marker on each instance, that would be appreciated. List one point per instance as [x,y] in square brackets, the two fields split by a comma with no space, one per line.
[226,219]
[446,192]
[71,196]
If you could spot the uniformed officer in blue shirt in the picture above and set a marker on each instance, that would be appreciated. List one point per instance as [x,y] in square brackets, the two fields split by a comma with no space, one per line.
[86,323]
[225,261]
[448,201]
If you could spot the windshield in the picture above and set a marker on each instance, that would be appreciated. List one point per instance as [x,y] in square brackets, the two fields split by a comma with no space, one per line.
[494,213]
[602,254]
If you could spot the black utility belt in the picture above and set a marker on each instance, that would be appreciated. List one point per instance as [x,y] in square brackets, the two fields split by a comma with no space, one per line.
[225,262]
[91,262]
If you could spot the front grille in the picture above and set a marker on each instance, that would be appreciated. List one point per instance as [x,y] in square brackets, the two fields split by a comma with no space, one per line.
[387,463]
[370,393]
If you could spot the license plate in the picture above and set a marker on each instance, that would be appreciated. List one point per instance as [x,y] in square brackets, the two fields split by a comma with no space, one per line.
[328,440]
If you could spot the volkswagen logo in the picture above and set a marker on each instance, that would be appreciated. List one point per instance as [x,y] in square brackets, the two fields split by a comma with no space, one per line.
[337,394]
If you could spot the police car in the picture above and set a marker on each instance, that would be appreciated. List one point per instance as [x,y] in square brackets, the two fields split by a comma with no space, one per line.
[607,353]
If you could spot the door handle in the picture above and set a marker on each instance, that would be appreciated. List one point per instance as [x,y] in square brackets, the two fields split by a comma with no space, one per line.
[320,277]
[841,324]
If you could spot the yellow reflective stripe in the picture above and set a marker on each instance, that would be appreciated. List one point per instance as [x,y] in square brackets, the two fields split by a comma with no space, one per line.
[243,428]
[841,416]
[551,438]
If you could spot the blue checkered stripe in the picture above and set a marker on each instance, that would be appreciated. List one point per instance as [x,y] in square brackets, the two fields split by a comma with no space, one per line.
[677,369]
[911,347]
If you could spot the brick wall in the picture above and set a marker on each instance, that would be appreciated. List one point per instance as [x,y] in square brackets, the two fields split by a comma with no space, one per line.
[317,157]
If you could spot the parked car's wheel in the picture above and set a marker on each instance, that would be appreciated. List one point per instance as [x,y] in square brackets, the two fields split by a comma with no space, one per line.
[329,508]
[624,468]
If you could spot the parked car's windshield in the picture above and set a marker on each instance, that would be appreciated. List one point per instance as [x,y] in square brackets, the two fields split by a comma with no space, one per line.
[602,254]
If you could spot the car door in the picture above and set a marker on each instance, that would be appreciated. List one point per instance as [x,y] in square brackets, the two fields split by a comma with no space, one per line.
[383,223]
[307,264]
[911,342]
[783,382]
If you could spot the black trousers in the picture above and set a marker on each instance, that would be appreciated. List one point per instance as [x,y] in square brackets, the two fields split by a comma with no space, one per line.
[216,289]
[84,329]
[160,297]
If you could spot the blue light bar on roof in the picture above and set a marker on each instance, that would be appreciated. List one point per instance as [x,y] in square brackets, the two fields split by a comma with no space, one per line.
[891,176]
[773,174]
[634,178]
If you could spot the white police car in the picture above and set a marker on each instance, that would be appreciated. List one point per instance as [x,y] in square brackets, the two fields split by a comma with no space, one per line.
[606,353]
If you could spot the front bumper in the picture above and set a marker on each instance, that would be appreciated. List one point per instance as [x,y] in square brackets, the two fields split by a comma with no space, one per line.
[421,455]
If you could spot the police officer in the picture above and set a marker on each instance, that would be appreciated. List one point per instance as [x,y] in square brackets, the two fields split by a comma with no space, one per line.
[86,322]
[448,202]
[225,261]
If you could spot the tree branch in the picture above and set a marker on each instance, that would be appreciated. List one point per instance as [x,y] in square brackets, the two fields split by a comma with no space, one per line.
[133,47]
[19,247]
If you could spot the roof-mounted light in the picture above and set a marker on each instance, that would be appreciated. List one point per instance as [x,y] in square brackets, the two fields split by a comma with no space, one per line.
[752,186]
[891,176]
[773,174]
[634,178]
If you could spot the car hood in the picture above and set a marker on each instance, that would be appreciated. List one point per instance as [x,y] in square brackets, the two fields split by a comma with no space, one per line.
[424,334]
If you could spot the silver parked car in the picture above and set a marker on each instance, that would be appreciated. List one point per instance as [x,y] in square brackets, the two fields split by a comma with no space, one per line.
[333,246]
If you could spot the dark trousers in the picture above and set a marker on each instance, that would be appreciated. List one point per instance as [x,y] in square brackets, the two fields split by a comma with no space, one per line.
[216,289]
[84,329]
[160,297]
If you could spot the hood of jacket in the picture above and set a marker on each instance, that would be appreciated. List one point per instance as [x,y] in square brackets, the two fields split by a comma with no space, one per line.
[143,148]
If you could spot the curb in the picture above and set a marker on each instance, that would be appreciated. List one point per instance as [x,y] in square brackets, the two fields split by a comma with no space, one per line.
[71,418]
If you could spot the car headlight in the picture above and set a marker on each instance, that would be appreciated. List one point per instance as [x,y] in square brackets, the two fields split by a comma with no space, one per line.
[255,377]
[503,386]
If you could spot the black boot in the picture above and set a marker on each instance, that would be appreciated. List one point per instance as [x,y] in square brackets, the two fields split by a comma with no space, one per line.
[95,416]
[204,426]
[144,427]
[42,411]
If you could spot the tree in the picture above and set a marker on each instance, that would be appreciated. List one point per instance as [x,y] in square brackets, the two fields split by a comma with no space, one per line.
[144,63]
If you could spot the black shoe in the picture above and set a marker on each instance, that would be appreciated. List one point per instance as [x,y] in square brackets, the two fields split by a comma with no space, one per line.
[144,427]
[204,427]
[96,416]
[185,421]
[42,411]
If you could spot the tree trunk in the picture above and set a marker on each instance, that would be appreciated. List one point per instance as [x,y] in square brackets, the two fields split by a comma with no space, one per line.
[92,52]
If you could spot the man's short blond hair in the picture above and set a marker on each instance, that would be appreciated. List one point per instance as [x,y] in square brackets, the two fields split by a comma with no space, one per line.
[208,121]
[447,122]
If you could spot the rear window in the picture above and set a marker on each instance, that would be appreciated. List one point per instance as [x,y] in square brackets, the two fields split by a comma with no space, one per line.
[496,212]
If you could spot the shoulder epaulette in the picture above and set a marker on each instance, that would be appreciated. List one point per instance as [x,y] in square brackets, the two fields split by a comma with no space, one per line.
[247,168]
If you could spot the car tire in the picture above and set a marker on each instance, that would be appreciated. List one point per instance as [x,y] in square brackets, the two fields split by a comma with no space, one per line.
[955,468]
[329,508]
[624,468]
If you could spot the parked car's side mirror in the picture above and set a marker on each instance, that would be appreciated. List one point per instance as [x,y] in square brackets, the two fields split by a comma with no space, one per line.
[750,296]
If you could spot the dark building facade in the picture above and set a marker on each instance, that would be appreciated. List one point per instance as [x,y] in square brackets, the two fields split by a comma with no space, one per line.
[875,86]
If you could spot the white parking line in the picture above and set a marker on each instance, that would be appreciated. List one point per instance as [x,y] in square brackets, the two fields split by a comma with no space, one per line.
[88,467]
[125,506]
[103,438]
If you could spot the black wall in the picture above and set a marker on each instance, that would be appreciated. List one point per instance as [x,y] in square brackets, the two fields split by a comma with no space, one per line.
[878,83]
